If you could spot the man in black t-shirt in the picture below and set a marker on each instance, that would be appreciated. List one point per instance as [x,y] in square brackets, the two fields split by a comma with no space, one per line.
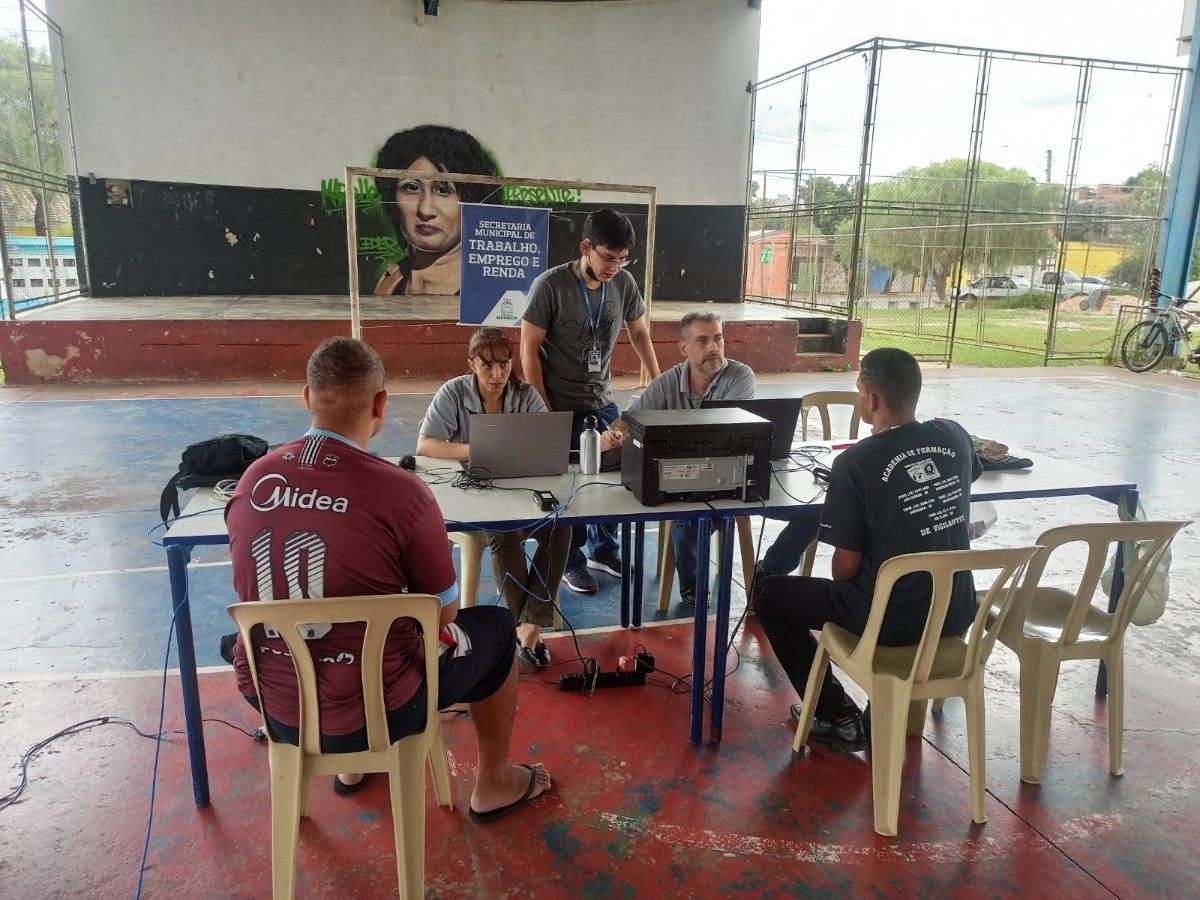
[904,489]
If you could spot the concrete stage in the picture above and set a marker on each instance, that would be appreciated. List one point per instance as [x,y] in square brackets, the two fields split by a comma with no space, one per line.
[238,338]
[636,811]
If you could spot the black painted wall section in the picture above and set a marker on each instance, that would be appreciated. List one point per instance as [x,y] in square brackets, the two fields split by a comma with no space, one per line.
[183,239]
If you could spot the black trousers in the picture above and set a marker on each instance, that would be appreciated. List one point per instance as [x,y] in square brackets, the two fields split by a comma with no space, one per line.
[791,607]
[465,679]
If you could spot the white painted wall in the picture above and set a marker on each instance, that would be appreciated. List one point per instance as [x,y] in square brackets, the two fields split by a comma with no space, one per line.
[283,93]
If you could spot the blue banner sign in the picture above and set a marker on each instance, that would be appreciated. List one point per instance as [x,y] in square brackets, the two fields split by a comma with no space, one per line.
[504,249]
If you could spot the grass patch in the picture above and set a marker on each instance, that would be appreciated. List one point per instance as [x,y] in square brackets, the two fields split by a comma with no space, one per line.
[1021,332]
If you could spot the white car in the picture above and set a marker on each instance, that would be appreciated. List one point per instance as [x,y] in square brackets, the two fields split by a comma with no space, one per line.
[1069,284]
[990,286]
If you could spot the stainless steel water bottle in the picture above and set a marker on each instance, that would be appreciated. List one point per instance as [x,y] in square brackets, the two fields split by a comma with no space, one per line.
[589,448]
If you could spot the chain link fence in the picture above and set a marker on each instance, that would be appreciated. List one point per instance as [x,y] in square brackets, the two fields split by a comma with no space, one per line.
[41,241]
[972,205]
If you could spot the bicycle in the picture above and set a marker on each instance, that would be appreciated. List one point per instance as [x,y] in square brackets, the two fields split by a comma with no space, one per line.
[1149,340]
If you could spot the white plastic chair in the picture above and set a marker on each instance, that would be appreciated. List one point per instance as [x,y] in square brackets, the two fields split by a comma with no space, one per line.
[1050,625]
[292,767]
[900,681]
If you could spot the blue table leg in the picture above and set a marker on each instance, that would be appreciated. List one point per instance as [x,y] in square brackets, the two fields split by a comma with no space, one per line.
[700,633]
[639,567]
[625,574]
[177,560]
[1130,499]
[721,635]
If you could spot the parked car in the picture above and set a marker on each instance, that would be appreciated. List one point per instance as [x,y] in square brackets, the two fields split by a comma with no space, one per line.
[1068,283]
[1095,282]
[992,286]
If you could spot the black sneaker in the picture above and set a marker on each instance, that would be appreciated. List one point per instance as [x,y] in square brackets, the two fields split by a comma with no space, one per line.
[581,581]
[847,734]
[610,564]
[227,642]
[687,596]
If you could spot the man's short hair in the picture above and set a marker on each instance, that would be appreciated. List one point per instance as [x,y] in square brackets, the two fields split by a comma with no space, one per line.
[894,375]
[608,228]
[345,364]
[686,322]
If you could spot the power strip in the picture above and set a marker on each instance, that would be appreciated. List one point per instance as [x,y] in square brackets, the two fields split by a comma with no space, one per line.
[578,681]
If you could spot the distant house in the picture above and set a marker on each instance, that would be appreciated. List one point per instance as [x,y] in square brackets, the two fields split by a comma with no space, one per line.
[812,270]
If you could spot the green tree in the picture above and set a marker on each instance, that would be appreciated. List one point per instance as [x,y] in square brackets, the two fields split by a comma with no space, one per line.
[829,202]
[1144,190]
[18,141]
[913,222]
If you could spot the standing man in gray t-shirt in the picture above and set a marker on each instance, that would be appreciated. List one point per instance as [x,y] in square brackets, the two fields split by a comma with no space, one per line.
[704,374]
[570,327]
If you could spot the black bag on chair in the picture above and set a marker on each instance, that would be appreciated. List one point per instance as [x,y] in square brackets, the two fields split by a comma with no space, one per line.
[208,462]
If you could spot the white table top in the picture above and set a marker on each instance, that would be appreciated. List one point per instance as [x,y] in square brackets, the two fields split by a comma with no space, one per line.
[1047,478]
[597,498]
[601,497]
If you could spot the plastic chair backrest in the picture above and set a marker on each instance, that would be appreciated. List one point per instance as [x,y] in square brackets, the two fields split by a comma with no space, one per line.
[378,613]
[942,566]
[821,401]
[1099,537]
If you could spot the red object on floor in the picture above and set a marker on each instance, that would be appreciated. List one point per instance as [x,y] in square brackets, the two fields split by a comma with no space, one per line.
[635,809]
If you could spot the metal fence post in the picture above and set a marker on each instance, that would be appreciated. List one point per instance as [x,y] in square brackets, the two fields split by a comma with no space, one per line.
[37,140]
[10,304]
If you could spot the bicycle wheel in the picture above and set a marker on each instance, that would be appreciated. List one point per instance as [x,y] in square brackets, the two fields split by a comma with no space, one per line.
[1144,346]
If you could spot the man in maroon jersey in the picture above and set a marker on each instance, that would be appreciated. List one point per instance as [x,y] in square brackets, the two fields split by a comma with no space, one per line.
[322,517]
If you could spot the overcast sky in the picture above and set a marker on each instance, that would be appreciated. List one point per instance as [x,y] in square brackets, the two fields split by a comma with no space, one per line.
[925,100]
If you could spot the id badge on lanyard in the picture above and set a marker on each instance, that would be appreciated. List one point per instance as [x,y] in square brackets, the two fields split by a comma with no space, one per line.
[594,355]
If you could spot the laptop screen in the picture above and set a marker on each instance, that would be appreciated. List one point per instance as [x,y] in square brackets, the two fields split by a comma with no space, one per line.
[782,412]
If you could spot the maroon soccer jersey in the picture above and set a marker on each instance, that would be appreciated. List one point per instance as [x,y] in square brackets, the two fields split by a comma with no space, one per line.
[321,518]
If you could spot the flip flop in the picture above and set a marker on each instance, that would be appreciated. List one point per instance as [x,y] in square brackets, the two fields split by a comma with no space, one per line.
[482,818]
[345,790]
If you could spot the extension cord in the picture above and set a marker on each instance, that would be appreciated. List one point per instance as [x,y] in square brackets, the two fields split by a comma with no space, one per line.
[578,681]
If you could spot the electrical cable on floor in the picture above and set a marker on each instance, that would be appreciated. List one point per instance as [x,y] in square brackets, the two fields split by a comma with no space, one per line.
[14,796]
[162,710]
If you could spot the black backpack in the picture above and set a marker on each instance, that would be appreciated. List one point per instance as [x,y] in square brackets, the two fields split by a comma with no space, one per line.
[209,462]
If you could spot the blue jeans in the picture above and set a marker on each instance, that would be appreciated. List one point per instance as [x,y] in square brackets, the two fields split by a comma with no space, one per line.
[686,540]
[601,540]
[784,556]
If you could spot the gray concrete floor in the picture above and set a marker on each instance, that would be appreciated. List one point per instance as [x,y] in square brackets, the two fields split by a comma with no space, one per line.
[330,307]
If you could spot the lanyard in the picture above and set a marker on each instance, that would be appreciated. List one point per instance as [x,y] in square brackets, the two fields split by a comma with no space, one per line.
[593,322]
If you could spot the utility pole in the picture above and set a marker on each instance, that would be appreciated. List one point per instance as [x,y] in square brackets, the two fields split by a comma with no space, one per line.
[1049,164]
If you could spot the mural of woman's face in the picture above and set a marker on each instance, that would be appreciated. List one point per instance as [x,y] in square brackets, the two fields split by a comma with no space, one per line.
[429,210]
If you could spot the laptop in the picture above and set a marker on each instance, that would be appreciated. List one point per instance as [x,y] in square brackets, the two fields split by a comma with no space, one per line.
[782,412]
[520,445]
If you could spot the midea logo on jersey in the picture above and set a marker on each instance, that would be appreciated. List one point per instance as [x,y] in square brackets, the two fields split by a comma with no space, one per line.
[272,491]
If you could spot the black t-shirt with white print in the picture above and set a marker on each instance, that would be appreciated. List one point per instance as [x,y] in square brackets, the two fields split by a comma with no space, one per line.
[906,490]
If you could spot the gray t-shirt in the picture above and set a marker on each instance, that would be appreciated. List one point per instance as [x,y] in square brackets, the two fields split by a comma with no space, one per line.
[556,304]
[449,415]
[671,390]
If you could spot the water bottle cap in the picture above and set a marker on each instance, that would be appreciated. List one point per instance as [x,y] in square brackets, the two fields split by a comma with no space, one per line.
[590,421]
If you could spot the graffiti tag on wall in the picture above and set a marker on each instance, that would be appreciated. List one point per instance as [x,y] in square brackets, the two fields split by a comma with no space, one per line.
[519,195]
[367,198]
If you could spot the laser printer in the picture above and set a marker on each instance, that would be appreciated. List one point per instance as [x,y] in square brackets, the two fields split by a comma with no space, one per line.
[696,455]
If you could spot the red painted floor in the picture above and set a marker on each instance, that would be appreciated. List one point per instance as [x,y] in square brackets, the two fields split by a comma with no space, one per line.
[636,811]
